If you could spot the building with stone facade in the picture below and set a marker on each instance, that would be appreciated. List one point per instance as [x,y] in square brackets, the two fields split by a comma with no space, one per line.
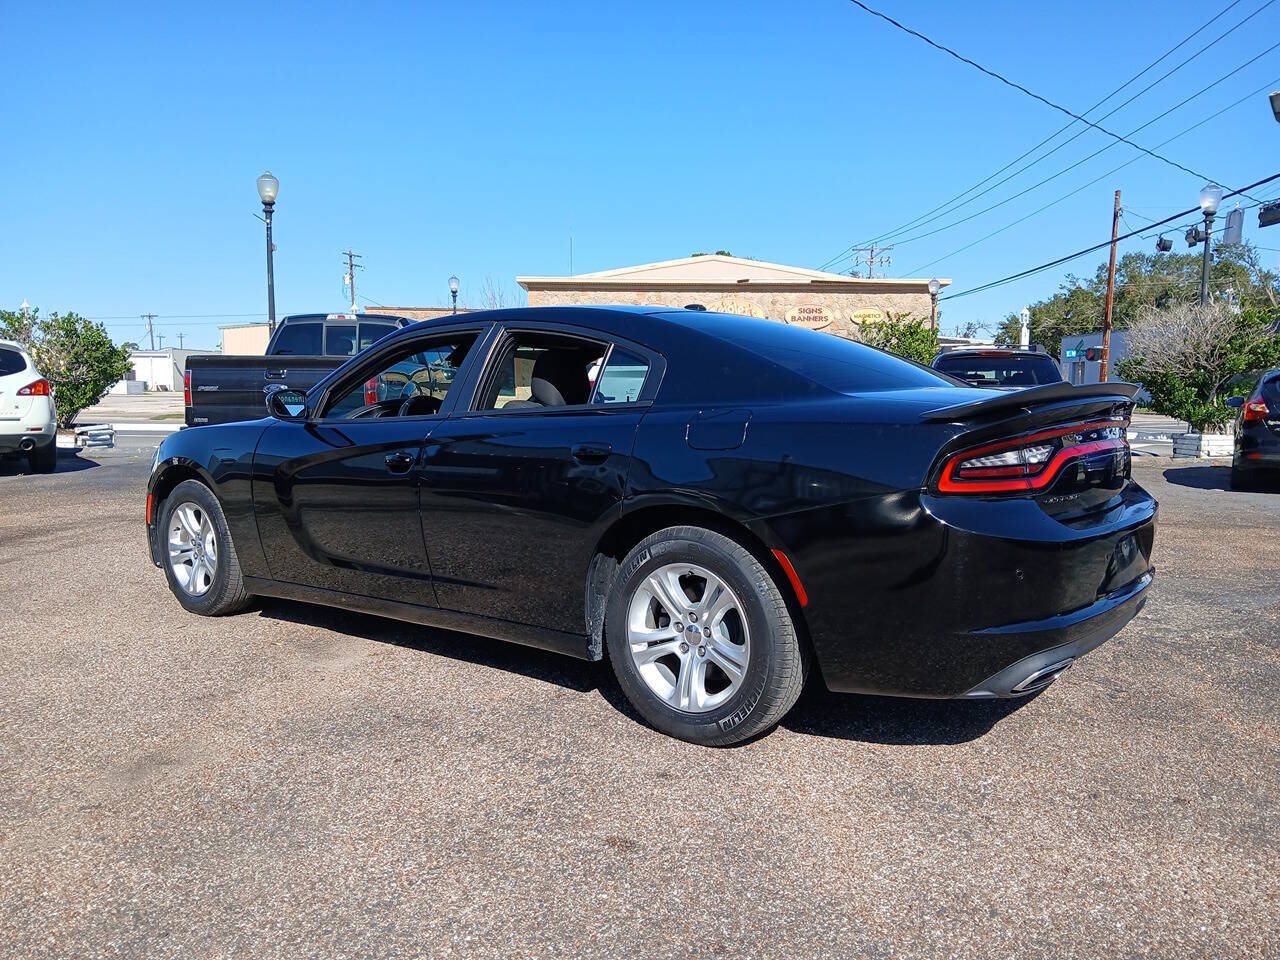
[831,302]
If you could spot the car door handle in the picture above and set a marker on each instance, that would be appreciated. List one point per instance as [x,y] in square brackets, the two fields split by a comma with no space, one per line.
[276,374]
[591,452]
[399,462]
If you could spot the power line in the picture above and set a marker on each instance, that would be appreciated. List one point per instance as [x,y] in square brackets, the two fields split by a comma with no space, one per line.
[1085,186]
[1017,86]
[1101,150]
[1087,250]
[952,204]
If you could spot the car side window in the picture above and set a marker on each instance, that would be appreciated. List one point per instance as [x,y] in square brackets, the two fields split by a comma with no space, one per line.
[11,361]
[411,382]
[540,370]
[340,340]
[299,340]
[622,378]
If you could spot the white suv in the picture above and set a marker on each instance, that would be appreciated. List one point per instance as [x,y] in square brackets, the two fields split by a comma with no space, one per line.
[28,423]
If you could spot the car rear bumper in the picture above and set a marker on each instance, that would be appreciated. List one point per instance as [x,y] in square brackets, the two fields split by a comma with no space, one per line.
[1061,640]
[27,440]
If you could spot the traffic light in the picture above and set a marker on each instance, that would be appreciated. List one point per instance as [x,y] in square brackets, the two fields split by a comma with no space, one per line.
[1269,215]
[1092,354]
[1163,244]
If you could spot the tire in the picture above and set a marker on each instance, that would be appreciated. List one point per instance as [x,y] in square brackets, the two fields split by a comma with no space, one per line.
[44,459]
[192,507]
[756,628]
[1240,480]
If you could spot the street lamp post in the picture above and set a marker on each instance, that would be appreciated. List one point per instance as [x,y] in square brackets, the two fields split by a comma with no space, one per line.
[1210,197]
[268,187]
[934,287]
[453,291]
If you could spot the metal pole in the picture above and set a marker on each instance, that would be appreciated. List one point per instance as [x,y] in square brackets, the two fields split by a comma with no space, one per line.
[933,311]
[454,294]
[271,280]
[1204,267]
[1111,295]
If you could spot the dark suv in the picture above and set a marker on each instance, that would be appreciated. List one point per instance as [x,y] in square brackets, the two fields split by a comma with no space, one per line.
[1257,449]
[999,368]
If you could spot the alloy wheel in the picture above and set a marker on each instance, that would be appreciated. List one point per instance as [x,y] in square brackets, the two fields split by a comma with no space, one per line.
[193,548]
[688,637]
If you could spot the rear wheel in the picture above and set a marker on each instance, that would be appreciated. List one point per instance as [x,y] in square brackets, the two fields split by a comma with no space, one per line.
[199,558]
[1240,480]
[701,639]
[44,459]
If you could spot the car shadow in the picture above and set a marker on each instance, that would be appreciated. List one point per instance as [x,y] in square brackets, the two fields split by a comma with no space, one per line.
[844,716]
[69,461]
[1214,478]
[896,720]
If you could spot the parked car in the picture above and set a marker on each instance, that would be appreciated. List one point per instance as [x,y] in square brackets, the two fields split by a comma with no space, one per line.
[302,350]
[1257,446]
[726,503]
[998,368]
[28,420]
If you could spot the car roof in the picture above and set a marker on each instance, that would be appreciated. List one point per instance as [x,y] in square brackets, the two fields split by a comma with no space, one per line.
[13,345]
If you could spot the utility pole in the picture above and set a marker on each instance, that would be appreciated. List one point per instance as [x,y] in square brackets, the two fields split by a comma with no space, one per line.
[352,257]
[162,341]
[151,330]
[1111,295]
[869,256]
[181,337]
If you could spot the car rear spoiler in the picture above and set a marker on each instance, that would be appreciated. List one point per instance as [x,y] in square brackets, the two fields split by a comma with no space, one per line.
[1009,402]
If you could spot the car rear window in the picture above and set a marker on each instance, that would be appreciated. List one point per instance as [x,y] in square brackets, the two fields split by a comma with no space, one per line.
[371,333]
[1026,370]
[340,341]
[299,339]
[11,361]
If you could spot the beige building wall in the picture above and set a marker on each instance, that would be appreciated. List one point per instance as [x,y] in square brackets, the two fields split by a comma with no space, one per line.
[248,339]
[822,301]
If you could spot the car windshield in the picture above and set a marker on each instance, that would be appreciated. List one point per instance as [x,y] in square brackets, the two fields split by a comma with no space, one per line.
[1000,370]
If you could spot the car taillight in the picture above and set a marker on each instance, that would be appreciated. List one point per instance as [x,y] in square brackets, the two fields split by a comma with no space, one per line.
[1029,462]
[1256,410]
[186,389]
[371,390]
[40,388]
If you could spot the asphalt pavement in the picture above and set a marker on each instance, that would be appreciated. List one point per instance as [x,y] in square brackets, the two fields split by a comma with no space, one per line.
[297,781]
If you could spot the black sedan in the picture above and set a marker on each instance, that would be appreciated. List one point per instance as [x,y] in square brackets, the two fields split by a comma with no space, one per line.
[1256,455]
[717,504]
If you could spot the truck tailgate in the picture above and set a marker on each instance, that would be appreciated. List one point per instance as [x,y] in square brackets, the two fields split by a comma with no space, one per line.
[225,389]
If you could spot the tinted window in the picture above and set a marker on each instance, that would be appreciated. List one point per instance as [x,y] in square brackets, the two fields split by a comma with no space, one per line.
[371,333]
[1023,370]
[412,382]
[11,361]
[340,341]
[622,378]
[825,359]
[299,339]
[537,370]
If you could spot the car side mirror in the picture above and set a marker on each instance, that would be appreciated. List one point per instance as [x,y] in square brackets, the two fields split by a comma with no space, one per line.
[287,404]
[1236,402]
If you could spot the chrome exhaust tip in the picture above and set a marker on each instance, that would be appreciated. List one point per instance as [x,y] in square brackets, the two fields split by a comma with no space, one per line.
[1039,679]
[26,445]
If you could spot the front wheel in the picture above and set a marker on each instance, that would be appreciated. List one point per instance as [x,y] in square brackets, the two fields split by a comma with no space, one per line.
[701,639]
[199,558]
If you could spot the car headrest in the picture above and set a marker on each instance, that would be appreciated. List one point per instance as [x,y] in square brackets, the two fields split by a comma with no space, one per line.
[559,378]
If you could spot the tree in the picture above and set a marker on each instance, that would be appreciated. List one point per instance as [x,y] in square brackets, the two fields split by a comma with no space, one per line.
[75,355]
[902,334]
[1147,280]
[495,296]
[1185,354]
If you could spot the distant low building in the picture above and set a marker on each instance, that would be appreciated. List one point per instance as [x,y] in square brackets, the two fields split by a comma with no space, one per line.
[155,370]
[832,302]
[245,339]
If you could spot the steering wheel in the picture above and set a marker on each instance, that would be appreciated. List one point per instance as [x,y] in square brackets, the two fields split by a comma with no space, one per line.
[406,408]
[369,411]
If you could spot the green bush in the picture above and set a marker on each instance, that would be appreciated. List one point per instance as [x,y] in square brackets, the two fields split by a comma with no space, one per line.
[902,334]
[75,355]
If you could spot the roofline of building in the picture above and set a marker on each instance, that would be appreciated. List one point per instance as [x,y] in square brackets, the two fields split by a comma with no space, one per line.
[864,284]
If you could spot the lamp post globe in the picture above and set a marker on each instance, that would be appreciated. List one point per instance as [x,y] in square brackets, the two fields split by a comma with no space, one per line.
[453,291]
[268,187]
[1210,197]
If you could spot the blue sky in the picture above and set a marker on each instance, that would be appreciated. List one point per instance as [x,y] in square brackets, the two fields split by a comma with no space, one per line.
[475,138]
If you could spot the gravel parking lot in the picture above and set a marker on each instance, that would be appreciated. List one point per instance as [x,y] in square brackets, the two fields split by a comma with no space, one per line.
[298,781]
